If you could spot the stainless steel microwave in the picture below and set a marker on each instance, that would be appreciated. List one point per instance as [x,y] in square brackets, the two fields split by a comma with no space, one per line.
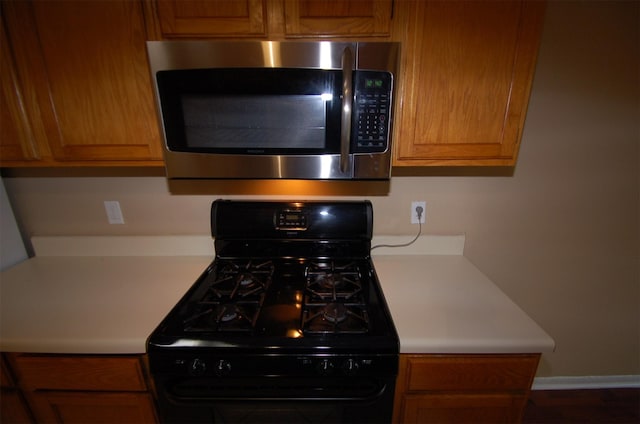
[275,110]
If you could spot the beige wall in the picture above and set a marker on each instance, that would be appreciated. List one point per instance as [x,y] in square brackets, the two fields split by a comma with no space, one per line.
[560,236]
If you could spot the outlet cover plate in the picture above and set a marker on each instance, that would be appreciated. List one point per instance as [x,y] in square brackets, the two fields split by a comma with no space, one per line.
[414,215]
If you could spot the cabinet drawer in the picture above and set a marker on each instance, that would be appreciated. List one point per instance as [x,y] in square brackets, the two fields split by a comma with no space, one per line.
[470,372]
[122,373]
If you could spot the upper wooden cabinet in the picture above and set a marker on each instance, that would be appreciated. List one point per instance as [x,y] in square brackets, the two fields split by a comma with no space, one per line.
[77,88]
[201,18]
[466,67]
[467,70]
[339,18]
[17,141]
[271,19]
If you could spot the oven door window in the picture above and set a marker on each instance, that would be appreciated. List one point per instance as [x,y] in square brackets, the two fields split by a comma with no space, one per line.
[251,111]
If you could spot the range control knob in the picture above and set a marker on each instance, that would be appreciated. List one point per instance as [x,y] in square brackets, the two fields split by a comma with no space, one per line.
[223,367]
[325,367]
[197,367]
[350,367]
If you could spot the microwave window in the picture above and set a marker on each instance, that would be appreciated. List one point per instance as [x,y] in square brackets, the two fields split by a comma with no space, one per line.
[255,122]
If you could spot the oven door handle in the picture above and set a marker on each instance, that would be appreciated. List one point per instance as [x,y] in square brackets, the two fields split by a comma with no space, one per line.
[347,104]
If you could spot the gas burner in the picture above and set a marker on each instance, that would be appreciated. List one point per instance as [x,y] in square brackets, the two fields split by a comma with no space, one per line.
[226,313]
[336,318]
[332,266]
[328,281]
[214,317]
[241,279]
[246,279]
[334,312]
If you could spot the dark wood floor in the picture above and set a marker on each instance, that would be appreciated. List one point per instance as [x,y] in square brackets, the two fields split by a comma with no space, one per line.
[602,406]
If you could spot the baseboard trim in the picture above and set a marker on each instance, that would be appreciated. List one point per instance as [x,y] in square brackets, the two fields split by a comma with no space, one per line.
[586,382]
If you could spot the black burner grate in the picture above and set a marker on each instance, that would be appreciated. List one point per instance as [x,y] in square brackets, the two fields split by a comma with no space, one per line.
[233,298]
[334,300]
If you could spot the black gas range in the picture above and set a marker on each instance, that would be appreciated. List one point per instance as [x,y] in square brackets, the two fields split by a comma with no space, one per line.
[287,324]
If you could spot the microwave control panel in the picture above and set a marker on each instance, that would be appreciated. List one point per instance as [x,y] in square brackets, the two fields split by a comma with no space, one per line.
[371,112]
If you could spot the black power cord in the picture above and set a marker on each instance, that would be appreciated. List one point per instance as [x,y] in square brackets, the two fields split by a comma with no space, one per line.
[419,211]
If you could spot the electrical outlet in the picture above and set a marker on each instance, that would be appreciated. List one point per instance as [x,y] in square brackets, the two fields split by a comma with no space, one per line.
[114,213]
[414,213]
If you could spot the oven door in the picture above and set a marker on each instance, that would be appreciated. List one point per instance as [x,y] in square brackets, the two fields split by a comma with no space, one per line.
[276,400]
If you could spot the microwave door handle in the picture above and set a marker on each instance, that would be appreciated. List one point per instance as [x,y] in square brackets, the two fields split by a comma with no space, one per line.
[347,101]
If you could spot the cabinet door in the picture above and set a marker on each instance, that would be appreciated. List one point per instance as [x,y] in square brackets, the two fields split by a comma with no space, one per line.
[467,73]
[13,409]
[238,18]
[90,408]
[346,18]
[84,389]
[461,408]
[477,388]
[17,141]
[86,60]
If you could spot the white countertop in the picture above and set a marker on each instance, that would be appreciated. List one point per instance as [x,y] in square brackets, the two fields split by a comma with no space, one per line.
[444,304]
[109,304]
[90,304]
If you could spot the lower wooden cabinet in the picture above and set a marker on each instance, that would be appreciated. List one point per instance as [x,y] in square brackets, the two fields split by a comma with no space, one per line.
[463,388]
[114,388]
[83,388]
[13,408]
[85,407]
